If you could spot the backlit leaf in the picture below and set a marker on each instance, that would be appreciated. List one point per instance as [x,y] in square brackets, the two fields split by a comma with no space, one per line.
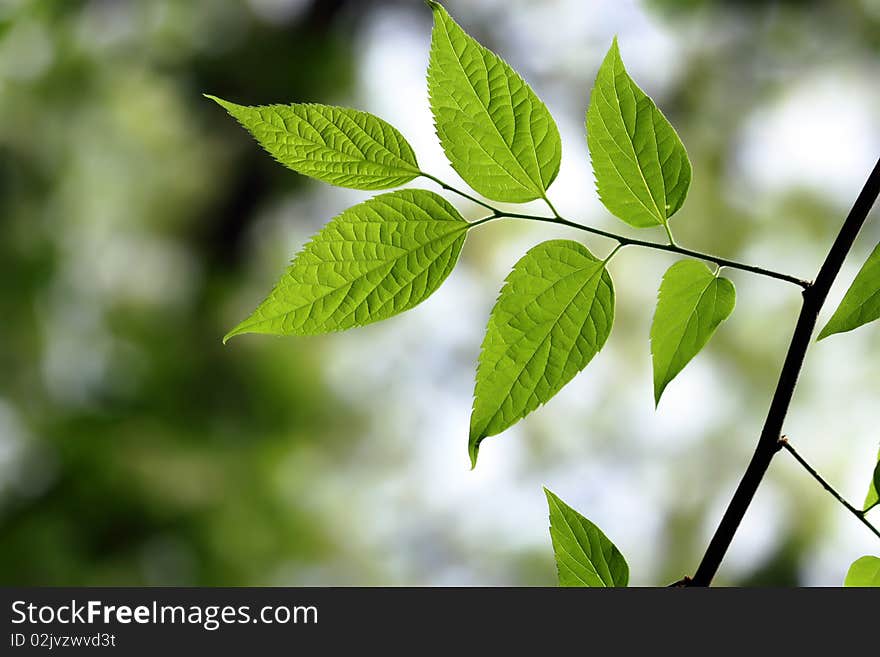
[641,168]
[340,146]
[861,303]
[374,260]
[691,304]
[864,571]
[872,498]
[496,132]
[553,315]
[584,555]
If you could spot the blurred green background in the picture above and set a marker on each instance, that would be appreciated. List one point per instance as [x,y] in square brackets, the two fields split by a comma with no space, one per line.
[138,223]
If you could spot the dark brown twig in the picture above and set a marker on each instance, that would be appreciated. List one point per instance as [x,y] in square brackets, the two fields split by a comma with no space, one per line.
[768,443]
[837,496]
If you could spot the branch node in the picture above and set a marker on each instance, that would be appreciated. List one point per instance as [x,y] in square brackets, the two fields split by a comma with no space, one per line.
[814,295]
[684,582]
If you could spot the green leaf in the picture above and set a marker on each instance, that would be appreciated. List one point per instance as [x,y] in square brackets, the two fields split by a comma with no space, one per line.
[691,304]
[340,146]
[374,260]
[641,167]
[496,132]
[861,303]
[584,555]
[872,498]
[864,571]
[553,315]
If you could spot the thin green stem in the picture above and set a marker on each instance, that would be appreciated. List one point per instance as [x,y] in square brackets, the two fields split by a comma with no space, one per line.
[550,205]
[669,233]
[450,188]
[480,222]
[498,213]
[611,255]
[672,247]
[856,512]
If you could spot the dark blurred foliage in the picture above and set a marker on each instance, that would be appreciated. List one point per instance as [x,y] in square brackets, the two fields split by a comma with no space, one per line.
[137,449]
[150,449]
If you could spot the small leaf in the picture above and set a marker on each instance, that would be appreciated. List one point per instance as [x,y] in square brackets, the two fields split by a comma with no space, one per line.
[340,146]
[861,303]
[872,498]
[641,168]
[584,555]
[373,261]
[496,132]
[553,315]
[691,304]
[864,571]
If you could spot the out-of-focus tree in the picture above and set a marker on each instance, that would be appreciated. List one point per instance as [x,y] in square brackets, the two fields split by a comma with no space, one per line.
[135,449]
[138,224]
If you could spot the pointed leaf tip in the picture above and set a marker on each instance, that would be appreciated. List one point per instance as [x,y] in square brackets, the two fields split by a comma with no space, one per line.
[474,449]
[552,317]
[225,104]
[238,330]
[495,131]
[397,249]
[691,304]
[861,303]
[640,165]
[337,145]
[227,337]
[585,556]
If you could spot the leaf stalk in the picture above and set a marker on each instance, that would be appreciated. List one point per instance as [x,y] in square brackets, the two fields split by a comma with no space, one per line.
[786,445]
[622,240]
[768,443]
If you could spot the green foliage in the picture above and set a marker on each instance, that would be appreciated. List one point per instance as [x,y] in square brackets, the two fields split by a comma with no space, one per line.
[556,309]
[340,146]
[641,167]
[553,315]
[584,555]
[872,498]
[861,303]
[154,456]
[691,304]
[496,132]
[374,260]
[864,572]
